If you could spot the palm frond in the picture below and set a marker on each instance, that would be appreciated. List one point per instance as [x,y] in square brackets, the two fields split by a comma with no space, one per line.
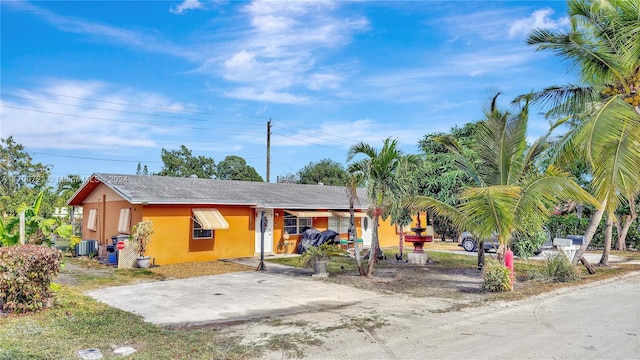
[612,142]
[441,209]
[491,209]
[461,159]
[562,100]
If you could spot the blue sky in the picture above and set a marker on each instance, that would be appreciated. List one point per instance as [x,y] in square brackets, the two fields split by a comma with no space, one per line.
[100,86]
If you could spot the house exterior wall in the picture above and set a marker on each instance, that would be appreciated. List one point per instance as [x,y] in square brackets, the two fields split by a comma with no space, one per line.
[172,241]
[107,204]
[387,235]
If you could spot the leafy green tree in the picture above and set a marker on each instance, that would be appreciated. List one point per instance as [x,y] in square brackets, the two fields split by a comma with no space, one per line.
[181,163]
[66,187]
[236,168]
[20,178]
[440,177]
[38,229]
[381,172]
[326,171]
[603,43]
[511,194]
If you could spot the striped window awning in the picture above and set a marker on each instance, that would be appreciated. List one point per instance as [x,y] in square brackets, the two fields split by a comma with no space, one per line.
[92,220]
[309,214]
[210,219]
[346,214]
[124,221]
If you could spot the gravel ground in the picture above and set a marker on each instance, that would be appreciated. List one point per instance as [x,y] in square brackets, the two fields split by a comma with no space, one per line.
[186,270]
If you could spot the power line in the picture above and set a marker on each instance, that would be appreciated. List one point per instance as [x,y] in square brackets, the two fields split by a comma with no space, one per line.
[127,104]
[306,134]
[318,131]
[128,121]
[126,111]
[312,143]
[92,158]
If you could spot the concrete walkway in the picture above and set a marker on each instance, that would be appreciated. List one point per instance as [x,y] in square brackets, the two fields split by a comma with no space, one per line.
[230,298]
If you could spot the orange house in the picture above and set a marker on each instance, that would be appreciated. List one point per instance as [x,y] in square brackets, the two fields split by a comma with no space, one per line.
[206,219]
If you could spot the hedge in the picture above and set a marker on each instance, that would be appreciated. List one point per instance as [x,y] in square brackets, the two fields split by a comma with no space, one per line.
[26,272]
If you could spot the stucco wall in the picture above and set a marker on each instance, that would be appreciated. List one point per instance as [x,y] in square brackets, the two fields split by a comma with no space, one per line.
[107,205]
[173,243]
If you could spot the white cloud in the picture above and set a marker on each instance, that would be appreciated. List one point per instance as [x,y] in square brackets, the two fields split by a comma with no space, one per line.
[188,5]
[269,96]
[538,19]
[121,36]
[321,81]
[66,114]
[284,49]
[472,27]
[185,6]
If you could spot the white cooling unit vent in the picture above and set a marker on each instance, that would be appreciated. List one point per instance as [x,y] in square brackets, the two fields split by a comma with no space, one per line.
[86,247]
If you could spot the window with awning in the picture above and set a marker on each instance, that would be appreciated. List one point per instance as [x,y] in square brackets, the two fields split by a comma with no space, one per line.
[339,224]
[124,221]
[309,214]
[210,219]
[346,214]
[92,220]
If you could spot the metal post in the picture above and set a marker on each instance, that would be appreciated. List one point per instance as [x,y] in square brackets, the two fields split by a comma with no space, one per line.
[263,226]
[269,150]
[22,228]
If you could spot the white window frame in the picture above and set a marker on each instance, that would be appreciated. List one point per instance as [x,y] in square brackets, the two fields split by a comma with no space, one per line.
[299,224]
[339,224]
[197,231]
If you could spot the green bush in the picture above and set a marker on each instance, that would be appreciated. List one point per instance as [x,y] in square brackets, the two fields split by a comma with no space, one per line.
[524,245]
[496,276]
[25,276]
[557,268]
[563,225]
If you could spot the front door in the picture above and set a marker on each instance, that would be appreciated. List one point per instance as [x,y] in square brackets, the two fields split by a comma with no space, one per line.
[365,229]
[268,232]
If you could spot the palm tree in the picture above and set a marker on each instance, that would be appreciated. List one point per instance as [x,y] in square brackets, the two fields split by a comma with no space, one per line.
[604,44]
[352,194]
[511,193]
[382,171]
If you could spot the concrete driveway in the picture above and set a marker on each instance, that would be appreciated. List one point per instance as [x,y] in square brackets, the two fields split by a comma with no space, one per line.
[230,298]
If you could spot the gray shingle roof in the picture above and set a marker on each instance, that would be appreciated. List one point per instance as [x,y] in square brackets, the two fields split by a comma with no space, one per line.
[139,189]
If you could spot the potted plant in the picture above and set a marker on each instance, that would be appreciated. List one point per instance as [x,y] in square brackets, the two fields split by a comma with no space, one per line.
[318,257]
[141,237]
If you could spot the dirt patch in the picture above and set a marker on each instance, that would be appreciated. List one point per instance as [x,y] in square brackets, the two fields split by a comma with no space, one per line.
[419,281]
[186,270]
[75,269]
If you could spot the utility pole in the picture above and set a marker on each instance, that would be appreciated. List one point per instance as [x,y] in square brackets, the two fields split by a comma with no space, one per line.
[268,149]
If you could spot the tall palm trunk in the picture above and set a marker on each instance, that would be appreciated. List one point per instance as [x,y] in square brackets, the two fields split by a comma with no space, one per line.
[373,252]
[480,254]
[353,237]
[589,232]
[628,220]
[604,260]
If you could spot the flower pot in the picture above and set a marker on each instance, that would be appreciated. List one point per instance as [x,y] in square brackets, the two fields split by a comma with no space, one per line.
[144,262]
[320,267]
